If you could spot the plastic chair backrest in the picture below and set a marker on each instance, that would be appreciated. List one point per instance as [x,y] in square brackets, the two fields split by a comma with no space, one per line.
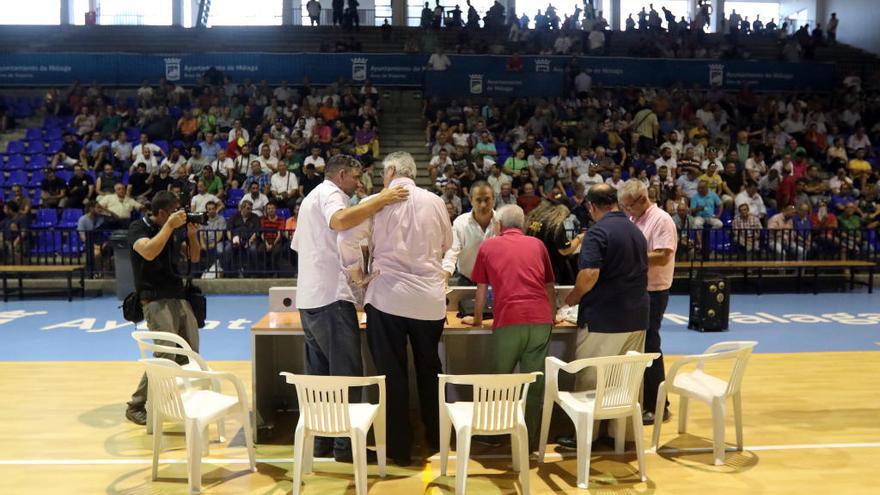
[150,342]
[498,399]
[163,377]
[323,400]
[740,351]
[618,379]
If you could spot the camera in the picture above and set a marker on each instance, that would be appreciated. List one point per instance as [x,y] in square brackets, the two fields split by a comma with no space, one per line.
[197,218]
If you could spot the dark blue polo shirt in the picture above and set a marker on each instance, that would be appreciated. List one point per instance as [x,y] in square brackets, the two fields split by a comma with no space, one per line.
[619,301]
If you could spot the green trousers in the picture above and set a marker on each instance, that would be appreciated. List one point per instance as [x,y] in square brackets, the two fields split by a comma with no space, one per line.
[526,345]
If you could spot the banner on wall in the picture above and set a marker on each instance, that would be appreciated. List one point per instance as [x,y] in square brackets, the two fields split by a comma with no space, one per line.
[467,75]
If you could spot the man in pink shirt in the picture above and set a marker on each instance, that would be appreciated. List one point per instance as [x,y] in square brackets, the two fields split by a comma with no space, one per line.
[519,270]
[659,230]
[406,297]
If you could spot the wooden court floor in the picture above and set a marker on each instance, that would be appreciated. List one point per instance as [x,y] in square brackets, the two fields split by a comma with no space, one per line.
[812,424]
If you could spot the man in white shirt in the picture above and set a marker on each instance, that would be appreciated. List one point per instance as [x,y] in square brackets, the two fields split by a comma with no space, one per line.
[438,163]
[406,298]
[439,61]
[316,159]
[590,178]
[257,199]
[282,93]
[324,298]
[243,162]
[175,163]
[268,163]
[666,159]
[582,162]
[149,161]
[498,178]
[238,134]
[538,162]
[687,183]
[751,197]
[223,166]
[138,150]
[284,186]
[468,231]
[583,83]
[200,201]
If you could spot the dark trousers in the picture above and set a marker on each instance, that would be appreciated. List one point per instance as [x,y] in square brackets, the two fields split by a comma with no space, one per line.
[656,373]
[387,337]
[333,348]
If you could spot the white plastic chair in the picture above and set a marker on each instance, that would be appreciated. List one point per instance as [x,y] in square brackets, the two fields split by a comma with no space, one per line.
[324,411]
[497,409]
[618,381]
[150,342]
[195,408]
[699,385]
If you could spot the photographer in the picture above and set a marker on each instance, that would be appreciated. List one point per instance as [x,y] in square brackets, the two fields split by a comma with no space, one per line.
[158,286]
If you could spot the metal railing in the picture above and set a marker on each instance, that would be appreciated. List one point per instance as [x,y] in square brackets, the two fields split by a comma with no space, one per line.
[257,254]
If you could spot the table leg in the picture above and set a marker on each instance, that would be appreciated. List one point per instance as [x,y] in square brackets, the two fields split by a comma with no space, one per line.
[20,287]
[82,282]
[5,288]
[69,286]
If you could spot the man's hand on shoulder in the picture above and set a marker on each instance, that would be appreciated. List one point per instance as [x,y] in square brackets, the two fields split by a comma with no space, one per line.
[391,195]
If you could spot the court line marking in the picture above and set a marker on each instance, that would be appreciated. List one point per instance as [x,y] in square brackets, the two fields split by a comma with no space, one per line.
[549,455]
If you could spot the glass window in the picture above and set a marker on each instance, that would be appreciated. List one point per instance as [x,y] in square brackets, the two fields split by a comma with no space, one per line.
[751,10]
[250,13]
[115,12]
[32,12]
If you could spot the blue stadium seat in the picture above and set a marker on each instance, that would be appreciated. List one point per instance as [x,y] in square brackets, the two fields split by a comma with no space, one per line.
[163,145]
[45,218]
[229,213]
[69,218]
[283,213]
[15,147]
[71,244]
[64,175]
[33,134]
[54,134]
[17,177]
[35,146]
[45,242]
[36,178]
[37,162]
[233,197]
[54,147]
[133,134]
[36,200]
[15,162]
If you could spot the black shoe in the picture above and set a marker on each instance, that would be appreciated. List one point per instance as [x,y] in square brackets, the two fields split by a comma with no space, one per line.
[136,415]
[567,443]
[648,417]
[346,456]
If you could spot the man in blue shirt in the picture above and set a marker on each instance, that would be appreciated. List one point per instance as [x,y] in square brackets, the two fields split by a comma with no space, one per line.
[98,144]
[706,208]
[210,147]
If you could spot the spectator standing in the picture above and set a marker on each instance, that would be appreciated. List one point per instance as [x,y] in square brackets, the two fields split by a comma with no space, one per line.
[406,298]
[831,28]
[313,7]
[325,299]
[611,289]
[662,239]
[518,269]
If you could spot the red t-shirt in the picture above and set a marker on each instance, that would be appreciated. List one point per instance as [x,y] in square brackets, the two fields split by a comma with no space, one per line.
[528,203]
[518,268]
[271,228]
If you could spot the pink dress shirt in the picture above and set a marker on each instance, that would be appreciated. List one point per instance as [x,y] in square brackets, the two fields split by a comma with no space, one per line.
[407,241]
[659,230]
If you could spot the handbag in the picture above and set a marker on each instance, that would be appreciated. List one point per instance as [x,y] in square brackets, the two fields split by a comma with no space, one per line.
[131,308]
[197,301]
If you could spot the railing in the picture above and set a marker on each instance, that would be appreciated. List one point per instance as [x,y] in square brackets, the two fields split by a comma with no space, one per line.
[251,256]
[366,17]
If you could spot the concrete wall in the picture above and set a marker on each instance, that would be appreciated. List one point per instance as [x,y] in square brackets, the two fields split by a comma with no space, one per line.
[858,22]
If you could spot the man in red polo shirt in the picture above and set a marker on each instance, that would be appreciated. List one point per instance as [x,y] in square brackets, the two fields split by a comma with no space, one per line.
[519,270]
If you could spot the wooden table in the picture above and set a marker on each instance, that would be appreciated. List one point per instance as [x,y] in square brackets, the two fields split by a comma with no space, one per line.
[277,344]
[19,271]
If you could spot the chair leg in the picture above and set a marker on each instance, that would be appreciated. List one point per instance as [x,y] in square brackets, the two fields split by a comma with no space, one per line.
[584,434]
[738,420]
[661,401]
[514,451]
[381,445]
[359,454]
[308,453]
[523,468]
[718,430]
[620,436]
[299,441]
[682,414]
[157,443]
[248,437]
[445,438]
[462,456]
[150,412]
[194,455]
[638,434]
[221,431]
[546,415]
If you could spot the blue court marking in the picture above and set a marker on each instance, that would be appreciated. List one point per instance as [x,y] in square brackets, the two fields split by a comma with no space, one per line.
[93,329]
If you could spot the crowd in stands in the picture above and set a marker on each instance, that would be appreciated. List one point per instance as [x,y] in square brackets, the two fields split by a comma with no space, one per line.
[797,163]
[586,31]
[243,153]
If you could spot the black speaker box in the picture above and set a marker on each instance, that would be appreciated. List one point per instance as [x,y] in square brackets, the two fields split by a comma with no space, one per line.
[710,304]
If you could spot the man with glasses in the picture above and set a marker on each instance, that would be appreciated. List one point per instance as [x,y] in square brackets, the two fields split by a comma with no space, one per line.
[660,233]
[158,286]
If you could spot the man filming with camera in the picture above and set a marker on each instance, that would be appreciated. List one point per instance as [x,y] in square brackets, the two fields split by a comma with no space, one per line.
[158,286]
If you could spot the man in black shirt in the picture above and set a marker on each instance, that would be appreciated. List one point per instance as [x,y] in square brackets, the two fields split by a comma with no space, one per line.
[611,289]
[79,188]
[159,287]
[244,233]
[138,188]
[70,147]
[310,180]
[52,189]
